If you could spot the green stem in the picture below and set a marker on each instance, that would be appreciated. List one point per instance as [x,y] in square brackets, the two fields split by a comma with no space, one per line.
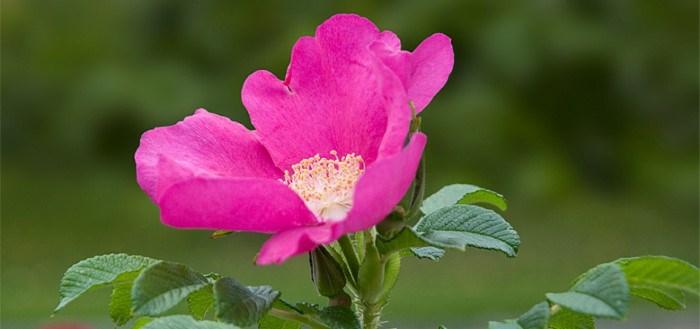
[350,255]
[288,315]
[371,316]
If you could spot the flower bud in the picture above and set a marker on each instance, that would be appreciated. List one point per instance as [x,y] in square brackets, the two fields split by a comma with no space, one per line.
[326,273]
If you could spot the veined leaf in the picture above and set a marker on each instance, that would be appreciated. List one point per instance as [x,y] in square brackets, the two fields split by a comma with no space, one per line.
[241,305]
[661,280]
[200,301]
[462,226]
[462,194]
[120,303]
[95,272]
[162,286]
[338,317]
[185,322]
[602,292]
[431,253]
[141,322]
[566,319]
[406,238]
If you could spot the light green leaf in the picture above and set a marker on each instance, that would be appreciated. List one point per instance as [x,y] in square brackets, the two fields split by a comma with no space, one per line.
[431,253]
[535,318]
[241,305]
[141,322]
[200,301]
[338,317]
[120,304]
[162,286]
[661,280]
[185,322]
[391,274]
[566,319]
[601,292]
[462,226]
[462,194]
[96,272]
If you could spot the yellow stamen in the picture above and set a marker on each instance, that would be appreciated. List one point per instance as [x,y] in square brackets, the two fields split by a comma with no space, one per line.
[326,185]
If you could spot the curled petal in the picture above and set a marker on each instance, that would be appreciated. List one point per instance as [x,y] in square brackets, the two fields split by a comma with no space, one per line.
[237,204]
[202,145]
[424,71]
[383,185]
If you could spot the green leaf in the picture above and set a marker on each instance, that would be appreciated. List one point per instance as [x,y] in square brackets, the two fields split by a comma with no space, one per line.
[162,286]
[661,280]
[508,324]
[462,194]
[120,304]
[241,305]
[272,322]
[338,317]
[185,322]
[601,292]
[141,322]
[200,301]
[566,319]
[96,272]
[462,226]
[391,274]
[431,253]
[535,318]
[406,238]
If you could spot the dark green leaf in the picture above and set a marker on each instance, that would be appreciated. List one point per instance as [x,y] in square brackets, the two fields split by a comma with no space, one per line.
[431,253]
[162,286]
[566,319]
[661,280]
[241,305]
[185,322]
[95,272]
[120,303]
[601,292]
[338,317]
[200,301]
[462,226]
[462,194]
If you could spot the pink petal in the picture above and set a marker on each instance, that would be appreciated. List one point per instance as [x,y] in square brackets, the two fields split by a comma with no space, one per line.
[423,72]
[238,204]
[202,145]
[337,95]
[383,185]
[284,245]
[379,190]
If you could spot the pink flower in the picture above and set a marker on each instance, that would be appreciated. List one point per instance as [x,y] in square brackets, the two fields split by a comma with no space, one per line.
[328,156]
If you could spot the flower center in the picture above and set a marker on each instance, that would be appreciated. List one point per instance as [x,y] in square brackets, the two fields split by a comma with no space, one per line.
[326,185]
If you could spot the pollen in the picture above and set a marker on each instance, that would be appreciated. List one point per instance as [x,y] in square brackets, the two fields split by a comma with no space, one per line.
[326,185]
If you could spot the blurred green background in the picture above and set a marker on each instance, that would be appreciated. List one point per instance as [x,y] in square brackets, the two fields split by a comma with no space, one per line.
[583,113]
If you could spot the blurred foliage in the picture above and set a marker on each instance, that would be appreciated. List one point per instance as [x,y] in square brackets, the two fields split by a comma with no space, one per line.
[583,113]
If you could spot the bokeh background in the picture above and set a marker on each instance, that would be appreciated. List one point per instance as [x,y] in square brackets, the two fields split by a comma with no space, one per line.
[583,113]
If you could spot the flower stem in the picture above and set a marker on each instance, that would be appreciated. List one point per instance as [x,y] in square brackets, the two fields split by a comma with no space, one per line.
[288,315]
[350,255]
